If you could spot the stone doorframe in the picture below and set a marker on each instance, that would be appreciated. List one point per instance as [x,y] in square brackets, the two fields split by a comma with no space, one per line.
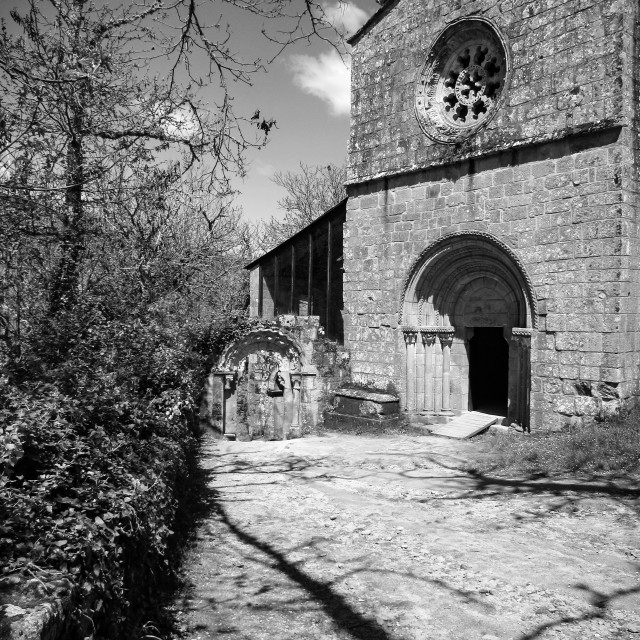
[300,379]
[438,312]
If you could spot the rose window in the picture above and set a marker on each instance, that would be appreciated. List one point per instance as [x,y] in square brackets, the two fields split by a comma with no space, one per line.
[462,81]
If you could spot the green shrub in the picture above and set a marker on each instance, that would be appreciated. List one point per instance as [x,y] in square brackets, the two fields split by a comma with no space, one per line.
[605,448]
[96,437]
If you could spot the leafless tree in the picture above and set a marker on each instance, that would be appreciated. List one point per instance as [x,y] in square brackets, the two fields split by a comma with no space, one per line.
[310,192]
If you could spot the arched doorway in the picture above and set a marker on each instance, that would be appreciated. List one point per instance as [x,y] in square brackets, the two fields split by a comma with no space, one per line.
[489,371]
[467,317]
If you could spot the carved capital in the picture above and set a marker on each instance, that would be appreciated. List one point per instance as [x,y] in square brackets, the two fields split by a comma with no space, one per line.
[410,334]
[428,337]
[521,337]
[446,339]
[296,381]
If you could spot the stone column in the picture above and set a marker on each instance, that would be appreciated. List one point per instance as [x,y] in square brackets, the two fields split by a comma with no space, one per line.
[308,400]
[410,339]
[428,340]
[288,404]
[521,338]
[446,340]
[228,380]
[296,382]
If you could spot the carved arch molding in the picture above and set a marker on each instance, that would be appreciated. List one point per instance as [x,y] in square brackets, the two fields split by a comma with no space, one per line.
[462,282]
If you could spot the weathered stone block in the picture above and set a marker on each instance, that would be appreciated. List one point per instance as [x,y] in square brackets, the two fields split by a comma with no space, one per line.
[334,420]
[359,402]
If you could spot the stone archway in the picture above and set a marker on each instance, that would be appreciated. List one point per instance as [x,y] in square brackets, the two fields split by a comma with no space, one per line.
[261,379]
[464,292]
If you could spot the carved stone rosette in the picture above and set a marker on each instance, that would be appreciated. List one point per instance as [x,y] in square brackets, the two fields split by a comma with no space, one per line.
[463,80]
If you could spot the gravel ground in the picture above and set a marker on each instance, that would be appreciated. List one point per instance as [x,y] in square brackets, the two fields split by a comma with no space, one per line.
[386,538]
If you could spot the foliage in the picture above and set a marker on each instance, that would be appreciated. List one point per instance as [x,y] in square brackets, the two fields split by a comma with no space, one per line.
[96,452]
[228,330]
[120,251]
[310,192]
[107,108]
[604,448]
[98,449]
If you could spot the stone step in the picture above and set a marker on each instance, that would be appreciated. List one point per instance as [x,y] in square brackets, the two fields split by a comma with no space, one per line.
[431,419]
[466,425]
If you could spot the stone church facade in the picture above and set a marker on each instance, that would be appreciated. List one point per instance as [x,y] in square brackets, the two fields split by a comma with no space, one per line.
[489,241]
[491,228]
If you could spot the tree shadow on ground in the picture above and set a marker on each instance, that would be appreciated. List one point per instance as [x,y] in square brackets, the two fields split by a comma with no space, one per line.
[210,506]
[206,503]
[599,601]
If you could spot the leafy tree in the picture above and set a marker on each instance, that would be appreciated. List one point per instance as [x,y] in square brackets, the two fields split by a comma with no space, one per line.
[310,192]
[102,107]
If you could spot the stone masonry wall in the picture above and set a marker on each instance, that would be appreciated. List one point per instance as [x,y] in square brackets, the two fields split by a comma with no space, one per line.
[631,177]
[561,207]
[570,72]
[554,175]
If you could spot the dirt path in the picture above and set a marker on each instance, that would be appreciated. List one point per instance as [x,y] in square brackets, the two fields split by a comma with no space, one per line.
[382,538]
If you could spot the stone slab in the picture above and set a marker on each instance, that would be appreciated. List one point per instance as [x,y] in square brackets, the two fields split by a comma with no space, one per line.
[466,426]
[337,421]
[373,396]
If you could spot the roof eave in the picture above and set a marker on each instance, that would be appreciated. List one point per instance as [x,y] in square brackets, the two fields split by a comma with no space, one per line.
[298,234]
[385,5]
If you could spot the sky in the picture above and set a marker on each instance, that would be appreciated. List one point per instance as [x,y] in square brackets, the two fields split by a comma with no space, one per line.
[306,90]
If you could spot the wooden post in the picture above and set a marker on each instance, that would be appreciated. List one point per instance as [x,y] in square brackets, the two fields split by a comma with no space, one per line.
[293,279]
[275,285]
[310,274]
[260,290]
[327,312]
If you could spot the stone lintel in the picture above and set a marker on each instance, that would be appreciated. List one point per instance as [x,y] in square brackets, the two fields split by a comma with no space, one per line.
[429,330]
[373,396]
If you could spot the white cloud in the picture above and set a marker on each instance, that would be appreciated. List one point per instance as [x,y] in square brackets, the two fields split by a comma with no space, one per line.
[263,168]
[346,17]
[327,77]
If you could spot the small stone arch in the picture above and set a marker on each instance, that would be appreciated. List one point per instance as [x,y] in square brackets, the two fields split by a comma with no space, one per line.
[466,289]
[260,381]
[265,339]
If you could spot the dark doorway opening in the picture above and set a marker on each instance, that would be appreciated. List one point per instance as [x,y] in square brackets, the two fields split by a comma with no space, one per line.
[489,370]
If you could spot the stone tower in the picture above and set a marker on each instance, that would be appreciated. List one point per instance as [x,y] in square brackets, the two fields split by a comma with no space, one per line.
[491,240]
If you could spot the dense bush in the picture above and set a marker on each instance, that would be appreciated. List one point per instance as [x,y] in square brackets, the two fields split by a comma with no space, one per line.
[97,431]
